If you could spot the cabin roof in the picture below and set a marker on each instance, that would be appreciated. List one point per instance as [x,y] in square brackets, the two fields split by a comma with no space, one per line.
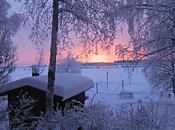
[66,84]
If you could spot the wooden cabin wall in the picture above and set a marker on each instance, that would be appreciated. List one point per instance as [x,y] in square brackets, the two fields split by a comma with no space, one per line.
[80,98]
[36,94]
[40,97]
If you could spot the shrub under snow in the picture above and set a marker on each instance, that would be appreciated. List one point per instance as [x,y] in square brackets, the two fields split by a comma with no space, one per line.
[134,116]
[129,116]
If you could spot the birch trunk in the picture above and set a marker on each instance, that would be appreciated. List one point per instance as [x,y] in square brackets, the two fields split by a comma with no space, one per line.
[52,63]
[173,79]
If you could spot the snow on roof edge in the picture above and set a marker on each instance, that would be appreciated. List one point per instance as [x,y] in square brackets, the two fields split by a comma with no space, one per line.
[63,88]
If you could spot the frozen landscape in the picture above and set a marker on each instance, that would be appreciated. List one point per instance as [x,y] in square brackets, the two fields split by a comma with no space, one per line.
[109,94]
[84,62]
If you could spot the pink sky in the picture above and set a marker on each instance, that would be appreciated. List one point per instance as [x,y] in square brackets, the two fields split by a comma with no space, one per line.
[26,49]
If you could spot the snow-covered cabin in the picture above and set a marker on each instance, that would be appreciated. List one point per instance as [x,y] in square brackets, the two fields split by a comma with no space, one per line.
[68,86]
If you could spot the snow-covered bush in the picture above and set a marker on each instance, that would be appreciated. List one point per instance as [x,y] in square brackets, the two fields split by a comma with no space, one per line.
[3,113]
[21,117]
[141,116]
[133,116]
[69,64]
[128,116]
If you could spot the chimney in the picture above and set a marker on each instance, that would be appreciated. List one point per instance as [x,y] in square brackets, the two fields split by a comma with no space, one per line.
[35,70]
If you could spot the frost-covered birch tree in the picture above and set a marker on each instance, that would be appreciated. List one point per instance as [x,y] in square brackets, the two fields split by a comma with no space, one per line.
[69,64]
[151,25]
[89,22]
[160,74]
[8,28]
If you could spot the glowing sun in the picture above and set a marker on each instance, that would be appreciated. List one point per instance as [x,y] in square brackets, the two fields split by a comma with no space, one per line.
[99,58]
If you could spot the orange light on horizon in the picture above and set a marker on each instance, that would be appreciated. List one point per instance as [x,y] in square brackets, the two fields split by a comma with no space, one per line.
[100,58]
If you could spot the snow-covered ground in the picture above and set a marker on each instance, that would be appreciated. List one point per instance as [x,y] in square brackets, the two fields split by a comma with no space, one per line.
[108,94]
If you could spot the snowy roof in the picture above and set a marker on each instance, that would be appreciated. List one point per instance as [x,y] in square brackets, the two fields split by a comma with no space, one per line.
[66,84]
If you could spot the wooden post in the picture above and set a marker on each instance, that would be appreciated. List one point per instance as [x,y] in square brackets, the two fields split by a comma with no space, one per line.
[96,87]
[122,85]
[107,78]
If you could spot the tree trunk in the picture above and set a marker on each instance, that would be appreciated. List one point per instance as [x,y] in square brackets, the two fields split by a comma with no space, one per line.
[173,69]
[52,63]
[173,79]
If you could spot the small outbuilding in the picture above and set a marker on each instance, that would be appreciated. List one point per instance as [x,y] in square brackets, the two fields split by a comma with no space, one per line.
[68,87]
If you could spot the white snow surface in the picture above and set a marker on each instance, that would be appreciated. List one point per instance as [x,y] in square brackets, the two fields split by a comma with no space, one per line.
[109,95]
[66,84]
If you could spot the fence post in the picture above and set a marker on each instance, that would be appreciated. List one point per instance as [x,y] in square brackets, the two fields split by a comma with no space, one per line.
[122,85]
[96,87]
[107,78]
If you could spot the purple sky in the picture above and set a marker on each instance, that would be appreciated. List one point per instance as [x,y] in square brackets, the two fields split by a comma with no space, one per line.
[26,52]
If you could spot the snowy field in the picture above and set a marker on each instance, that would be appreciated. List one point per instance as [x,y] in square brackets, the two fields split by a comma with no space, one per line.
[108,94]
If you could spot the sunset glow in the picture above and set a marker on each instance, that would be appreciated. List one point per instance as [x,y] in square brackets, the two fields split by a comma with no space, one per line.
[99,58]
